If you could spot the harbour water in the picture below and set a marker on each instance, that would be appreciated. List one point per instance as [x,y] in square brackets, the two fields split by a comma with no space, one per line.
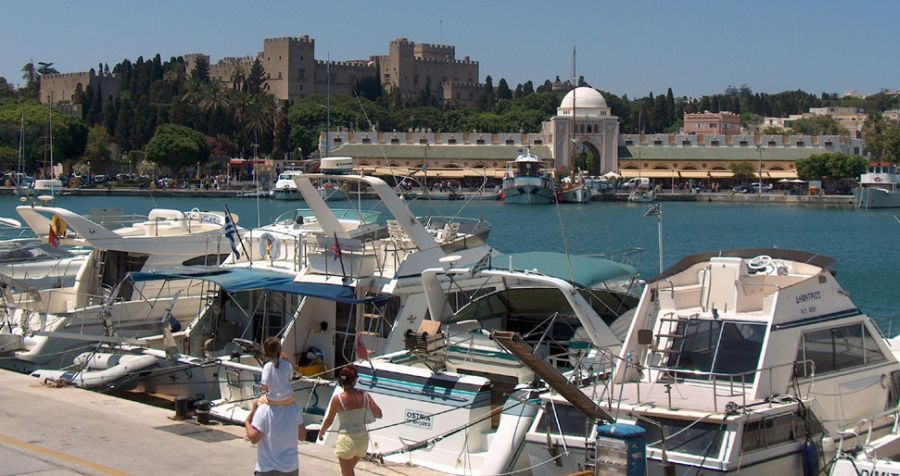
[864,243]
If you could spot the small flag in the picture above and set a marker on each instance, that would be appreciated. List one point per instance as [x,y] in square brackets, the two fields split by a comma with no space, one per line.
[231,233]
[483,263]
[57,230]
[653,211]
[336,249]
[361,352]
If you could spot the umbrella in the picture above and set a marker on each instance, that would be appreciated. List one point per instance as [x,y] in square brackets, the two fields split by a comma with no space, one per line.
[798,181]
[784,180]
[611,174]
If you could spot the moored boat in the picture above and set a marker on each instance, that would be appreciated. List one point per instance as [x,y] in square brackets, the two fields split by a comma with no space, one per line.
[527,181]
[879,187]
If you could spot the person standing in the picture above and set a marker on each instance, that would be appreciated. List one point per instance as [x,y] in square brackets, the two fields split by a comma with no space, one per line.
[353,436]
[275,430]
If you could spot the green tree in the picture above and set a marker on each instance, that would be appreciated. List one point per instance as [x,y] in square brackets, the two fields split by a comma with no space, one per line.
[200,73]
[772,131]
[819,125]
[743,171]
[6,89]
[813,167]
[97,149]
[177,147]
[503,91]
[256,79]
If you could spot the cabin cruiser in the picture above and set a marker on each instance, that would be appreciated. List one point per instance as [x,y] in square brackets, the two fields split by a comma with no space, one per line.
[36,264]
[42,327]
[751,361]
[527,181]
[453,399]
[879,187]
[285,188]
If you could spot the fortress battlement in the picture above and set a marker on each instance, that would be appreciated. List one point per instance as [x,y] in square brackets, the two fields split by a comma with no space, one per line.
[290,39]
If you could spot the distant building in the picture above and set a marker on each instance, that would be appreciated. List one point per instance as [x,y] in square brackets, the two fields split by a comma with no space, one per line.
[68,88]
[293,72]
[475,155]
[727,123]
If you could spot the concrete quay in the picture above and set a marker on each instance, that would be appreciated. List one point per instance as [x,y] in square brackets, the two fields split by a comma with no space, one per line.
[67,431]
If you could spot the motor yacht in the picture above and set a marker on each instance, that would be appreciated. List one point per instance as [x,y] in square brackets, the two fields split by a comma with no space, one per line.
[879,187]
[743,361]
[285,188]
[527,181]
[43,327]
[456,401]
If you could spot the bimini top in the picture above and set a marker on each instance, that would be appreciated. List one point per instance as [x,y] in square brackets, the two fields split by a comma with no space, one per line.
[824,262]
[247,279]
[587,271]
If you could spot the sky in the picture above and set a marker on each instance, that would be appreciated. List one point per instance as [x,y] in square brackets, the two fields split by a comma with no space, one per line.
[624,47]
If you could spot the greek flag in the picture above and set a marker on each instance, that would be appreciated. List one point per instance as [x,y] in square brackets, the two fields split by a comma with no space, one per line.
[653,211]
[231,233]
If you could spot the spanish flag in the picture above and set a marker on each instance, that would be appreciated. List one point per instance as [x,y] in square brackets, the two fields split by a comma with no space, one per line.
[57,230]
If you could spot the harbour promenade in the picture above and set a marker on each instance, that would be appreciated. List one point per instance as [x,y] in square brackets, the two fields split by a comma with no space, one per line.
[67,431]
[776,197]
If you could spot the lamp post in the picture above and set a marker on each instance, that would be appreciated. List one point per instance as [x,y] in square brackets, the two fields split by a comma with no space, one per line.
[759,181]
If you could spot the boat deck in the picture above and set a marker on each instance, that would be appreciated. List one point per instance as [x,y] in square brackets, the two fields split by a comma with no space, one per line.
[68,431]
[684,397]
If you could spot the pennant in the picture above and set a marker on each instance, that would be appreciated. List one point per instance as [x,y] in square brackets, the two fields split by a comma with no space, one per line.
[361,352]
[58,228]
[336,248]
[655,210]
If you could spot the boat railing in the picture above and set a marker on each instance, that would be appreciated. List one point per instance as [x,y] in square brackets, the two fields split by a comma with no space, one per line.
[869,425]
[466,225]
[739,383]
[298,258]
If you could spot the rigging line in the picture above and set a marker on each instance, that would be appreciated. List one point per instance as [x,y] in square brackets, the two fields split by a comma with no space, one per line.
[565,242]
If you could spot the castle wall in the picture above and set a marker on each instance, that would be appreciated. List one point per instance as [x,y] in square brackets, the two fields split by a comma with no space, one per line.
[62,87]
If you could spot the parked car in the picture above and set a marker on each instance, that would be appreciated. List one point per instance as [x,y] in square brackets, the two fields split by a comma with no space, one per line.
[99,178]
[756,187]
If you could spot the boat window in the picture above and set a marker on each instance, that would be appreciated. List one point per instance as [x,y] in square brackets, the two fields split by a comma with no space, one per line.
[704,346]
[206,260]
[777,429]
[572,421]
[835,349]
[682,436]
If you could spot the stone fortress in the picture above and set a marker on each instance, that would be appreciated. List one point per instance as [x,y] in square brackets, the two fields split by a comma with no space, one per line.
[293,72]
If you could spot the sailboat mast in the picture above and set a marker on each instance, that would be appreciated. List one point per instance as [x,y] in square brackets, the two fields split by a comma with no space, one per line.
[20,167]
[574,115]
[328,106]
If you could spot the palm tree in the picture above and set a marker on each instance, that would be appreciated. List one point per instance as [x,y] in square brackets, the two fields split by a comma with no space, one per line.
[258,116]
[214,98]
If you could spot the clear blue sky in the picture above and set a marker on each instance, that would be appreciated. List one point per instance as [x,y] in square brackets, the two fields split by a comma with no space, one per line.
[626,47]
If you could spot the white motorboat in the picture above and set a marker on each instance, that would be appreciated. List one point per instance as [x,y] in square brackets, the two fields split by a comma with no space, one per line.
[316,291]
[457,402]
[36,264]
[42,327]
[527,181]
[745,361]
[285,188]
[879,187]
[641,195]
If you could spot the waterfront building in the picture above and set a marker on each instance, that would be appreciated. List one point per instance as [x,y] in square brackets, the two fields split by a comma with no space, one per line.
[598,148]
[722,123]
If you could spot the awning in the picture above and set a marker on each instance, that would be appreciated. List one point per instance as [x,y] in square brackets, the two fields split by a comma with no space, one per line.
[588,271]
[246,279]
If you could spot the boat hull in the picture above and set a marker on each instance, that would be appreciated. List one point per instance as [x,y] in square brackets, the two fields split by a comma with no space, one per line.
[576,195]
[286,194]
[528,195]
[870,197]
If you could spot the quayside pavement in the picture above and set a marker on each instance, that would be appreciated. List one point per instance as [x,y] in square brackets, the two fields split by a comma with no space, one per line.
[67,431]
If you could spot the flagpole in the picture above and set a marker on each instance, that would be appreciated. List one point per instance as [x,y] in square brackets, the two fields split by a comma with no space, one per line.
[659,222]
[231,219]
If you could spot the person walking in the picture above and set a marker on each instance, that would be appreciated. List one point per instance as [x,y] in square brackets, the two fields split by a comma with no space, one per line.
[352,405]
[275,431]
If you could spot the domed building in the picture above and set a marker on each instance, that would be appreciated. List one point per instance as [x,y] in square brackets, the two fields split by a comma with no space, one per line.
[584,134]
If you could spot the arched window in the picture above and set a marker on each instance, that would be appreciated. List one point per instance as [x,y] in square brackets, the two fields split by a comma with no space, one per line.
[660,167]
[689,167]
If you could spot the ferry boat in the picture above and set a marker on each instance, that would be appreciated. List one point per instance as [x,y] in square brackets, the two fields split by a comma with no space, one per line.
[879,187]
[746,361]
[527,182]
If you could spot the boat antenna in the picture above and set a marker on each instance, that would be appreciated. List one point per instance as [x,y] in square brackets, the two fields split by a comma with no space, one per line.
[255,146]
[21,166]
[50,114]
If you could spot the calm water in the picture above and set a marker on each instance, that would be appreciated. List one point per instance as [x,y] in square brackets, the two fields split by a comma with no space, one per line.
[864,243]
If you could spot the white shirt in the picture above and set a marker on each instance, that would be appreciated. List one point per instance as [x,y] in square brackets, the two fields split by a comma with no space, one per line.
[277,450]
[278,380]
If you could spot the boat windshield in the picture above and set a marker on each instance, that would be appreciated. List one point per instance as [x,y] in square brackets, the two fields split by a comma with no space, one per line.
[21,251]
[296,216]
[716,349]
[528,169]
[534,303]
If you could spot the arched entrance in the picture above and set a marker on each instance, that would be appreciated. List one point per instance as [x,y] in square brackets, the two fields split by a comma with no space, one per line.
[587,158]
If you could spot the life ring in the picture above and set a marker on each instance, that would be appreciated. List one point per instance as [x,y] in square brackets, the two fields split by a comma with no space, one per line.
[269,246]
[194,214]
[760,262]
[877,179]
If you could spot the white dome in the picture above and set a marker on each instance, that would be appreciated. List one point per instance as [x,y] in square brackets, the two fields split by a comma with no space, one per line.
[584,98]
